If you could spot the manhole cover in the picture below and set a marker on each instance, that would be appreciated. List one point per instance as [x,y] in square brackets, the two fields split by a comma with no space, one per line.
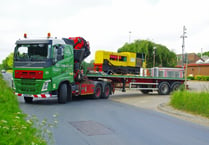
[91,128]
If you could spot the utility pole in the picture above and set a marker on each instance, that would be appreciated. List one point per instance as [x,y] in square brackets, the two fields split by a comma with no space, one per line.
[183,44]
[154,49]
[183,47]
[129,36]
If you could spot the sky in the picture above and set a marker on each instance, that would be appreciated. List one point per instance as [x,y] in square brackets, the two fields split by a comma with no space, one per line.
[107,24]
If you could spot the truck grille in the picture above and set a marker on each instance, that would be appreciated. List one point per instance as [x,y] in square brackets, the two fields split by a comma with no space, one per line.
[28,86]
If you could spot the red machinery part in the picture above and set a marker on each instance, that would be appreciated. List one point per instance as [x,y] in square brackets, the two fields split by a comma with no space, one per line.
[78,42]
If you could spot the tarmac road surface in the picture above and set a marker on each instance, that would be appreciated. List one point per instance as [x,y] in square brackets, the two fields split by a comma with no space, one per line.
[106,122]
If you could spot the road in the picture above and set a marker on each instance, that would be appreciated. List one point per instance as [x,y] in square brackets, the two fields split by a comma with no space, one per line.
[199,86]
[106,122]
[8,77]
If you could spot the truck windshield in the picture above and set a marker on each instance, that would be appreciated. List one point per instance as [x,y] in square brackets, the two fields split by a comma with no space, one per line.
[32,52]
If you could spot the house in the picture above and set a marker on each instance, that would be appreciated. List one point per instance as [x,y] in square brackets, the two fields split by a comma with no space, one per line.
[203,59]
[191,58]
[196,65]
[198,69]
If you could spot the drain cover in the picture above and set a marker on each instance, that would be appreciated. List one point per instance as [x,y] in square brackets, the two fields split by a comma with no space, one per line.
[91,128]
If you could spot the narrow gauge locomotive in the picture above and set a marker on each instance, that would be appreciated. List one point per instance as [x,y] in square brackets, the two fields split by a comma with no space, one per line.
[119,63]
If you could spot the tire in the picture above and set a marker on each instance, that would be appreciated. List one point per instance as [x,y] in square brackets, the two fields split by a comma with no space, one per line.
[175,86]
[28,99]
[164,88]
[107,91]
[63,94]
[69,98]
[97,91]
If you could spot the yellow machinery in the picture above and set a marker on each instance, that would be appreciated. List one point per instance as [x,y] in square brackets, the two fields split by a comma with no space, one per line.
[113,62]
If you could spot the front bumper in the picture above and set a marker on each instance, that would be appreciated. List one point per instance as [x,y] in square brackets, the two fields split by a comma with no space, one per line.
[45,95]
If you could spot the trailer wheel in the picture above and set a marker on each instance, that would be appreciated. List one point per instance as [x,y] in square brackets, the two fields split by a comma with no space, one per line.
[28,99]
[62,94]
[164,88]
[107,91]
[97,91]
[175,86]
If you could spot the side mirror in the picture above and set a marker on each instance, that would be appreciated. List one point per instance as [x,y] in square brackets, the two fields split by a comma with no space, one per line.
[59,53]
[59,50]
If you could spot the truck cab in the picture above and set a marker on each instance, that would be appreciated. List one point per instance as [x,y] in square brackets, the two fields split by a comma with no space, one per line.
[41,67]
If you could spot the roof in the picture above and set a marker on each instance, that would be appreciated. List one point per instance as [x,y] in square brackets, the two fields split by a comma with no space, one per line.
[199,61]
[191,57]
[202,64]
[195,65]
[207,61]
[204,58]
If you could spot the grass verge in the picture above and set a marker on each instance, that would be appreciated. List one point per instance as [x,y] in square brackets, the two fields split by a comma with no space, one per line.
[194,102]
[15,129]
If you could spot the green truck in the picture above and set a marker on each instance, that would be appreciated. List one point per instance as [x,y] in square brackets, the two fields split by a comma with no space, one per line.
[51,68]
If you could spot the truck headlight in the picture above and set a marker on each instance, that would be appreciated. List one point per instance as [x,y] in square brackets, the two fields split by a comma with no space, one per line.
[45,85]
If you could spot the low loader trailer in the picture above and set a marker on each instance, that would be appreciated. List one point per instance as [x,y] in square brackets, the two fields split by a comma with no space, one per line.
[51,68]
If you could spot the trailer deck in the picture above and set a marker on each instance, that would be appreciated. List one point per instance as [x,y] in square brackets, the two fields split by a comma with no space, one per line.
[156,81]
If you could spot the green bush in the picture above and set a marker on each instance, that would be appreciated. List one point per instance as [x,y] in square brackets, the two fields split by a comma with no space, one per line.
[198,77]
[206,78]
[196,102]
[190,77]
[15,129]
[201,78]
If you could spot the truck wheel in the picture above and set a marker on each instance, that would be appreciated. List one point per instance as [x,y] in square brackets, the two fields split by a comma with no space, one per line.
[63,93]
[28,99]
[97,91]
[107,91]
[69,98]
[175,86]
[164,88]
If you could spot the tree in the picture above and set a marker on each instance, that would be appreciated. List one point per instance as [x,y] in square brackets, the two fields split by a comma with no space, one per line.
[10,60]
[87,65]
[206,53]
[7,63]
[163,56]
[203,54]
[4,64]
